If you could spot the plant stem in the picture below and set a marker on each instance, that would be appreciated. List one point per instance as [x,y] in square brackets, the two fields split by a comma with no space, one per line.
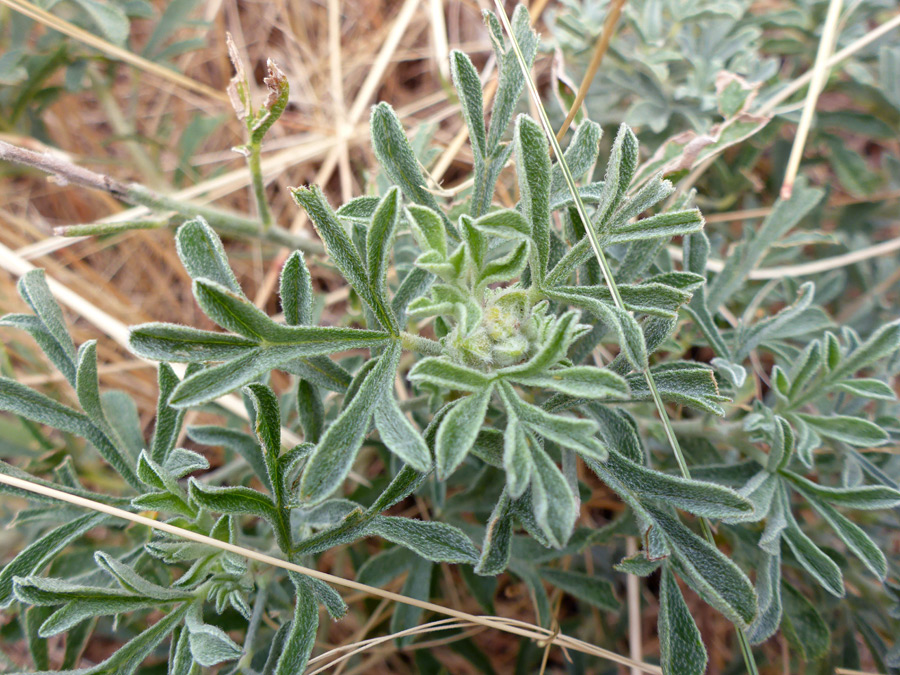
[259,187]
[138,195]
[423,345]
[614,291]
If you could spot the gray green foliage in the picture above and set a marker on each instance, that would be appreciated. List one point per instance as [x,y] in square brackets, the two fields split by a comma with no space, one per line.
[485,406]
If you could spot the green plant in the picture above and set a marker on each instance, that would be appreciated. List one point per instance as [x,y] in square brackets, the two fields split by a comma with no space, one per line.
[498,336]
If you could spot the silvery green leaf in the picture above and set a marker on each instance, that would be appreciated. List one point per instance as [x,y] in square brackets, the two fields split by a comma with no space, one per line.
[203,255]
[32,405]
[653,192]
[33,288]
[685,383]
[805,367]
[782,445]
[504,223]
[330,462]
[768,590]
[233,312]
[628,331]
[504,269]
[380,241]
[268,430]
[863,497]
[359,209]
[803,626]
[623,160]
[851,430]
[569,432]
[637,564]
[133,582]
[554,506]
[323,593]
[852,535]
[476,243]
[681,649]
[180,660]
[816,563]
[449,375]
[209,645]
[243,444]
[511,80]
[663,225]
[698,497]
[310,410]
[496,547]
[320,371]
[341,250]
[31,619]
[129,657]
[298,643]
[619,430]
[81,602]
[516,456]
[468,89]
[427,228]
[418,586]
[583,587]
[651,298]
[87,388]
[458,430]
[182,344]
[215,381]
[533,169]
[438,542]
[396,156]
[111,20]
[580,381]
[883,342]
[750,338]
[708,571]
[783,217]
[397,431]
[168,419]
[155,476]
[553,349]
[295,290]
[867,387]
[735,373]
[232,500]
[580,155]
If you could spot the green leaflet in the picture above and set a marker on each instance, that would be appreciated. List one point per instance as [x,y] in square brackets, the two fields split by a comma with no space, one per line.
[533,168]
[682,382]
[418,586]
[747,255]
[516,455]
[30,404]
[295,290]
[580,155]
[209,644]
[708,571]
[203,255]
[819,566]
[803,626]
[396,156]
[583,587]
[496,547]
[182,344]
[662,225]
[343,252]
[580,381]
[768,589]
[852,430]
[698,497]
[33,288]
[380,240]
[243,444]
[300,639]
[458,430]
[864,497]
[446,374]
[554,506]
[168,419]
[438,542]
[680,645]
[468,89]
[330,462]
